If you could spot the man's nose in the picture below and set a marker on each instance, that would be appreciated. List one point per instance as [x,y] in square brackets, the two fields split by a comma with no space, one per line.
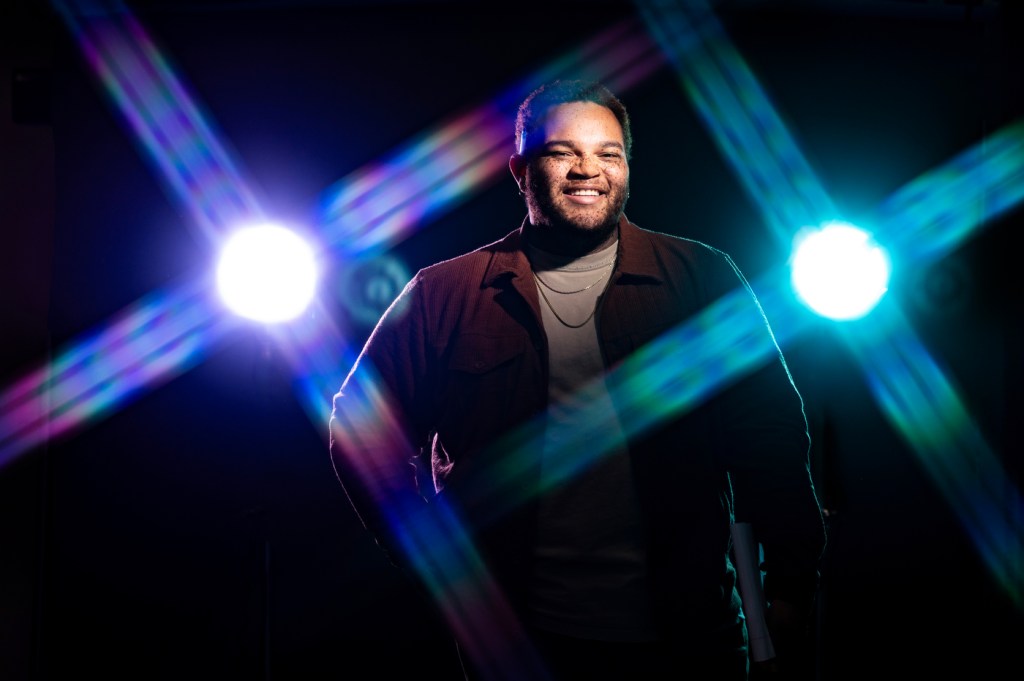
[586,165]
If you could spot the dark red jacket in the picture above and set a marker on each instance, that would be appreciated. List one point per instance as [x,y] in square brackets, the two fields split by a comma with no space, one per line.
[457,369]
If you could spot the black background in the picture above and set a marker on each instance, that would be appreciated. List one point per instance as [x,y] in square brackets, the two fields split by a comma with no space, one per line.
[198,531]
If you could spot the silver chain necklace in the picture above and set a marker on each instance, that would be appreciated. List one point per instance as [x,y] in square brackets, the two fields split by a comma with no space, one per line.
[569,293]
[555,312]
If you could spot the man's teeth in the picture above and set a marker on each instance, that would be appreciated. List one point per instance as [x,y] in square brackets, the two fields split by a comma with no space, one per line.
[584,192]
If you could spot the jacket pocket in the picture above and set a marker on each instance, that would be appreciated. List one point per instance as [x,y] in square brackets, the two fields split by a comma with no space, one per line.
[483,392]
[485,362]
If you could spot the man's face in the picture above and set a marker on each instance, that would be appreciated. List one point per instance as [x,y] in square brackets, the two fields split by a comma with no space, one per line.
[577,179]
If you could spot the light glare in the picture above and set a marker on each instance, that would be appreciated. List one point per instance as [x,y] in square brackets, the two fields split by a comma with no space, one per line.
[839,271]
[267,273]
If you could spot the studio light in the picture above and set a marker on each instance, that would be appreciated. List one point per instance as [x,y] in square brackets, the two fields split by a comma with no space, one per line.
[839,271]
[267,273]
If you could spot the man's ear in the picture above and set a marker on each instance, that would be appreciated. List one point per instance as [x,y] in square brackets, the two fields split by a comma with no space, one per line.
[517,164]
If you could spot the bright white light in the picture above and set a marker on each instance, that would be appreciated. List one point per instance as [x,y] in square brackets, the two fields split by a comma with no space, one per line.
[267,273]
[839,271]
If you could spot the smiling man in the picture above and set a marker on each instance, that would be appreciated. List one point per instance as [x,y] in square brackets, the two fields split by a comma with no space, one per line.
[613,556]
[572,166]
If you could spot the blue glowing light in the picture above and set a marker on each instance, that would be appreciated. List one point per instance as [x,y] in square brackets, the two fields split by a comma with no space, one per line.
[839,271]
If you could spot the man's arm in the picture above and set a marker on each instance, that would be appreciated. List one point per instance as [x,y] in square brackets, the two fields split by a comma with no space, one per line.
[376,427]
[768,443]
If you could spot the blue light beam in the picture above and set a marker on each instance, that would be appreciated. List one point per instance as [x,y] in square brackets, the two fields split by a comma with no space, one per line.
[935,213]
[927,218]
[924,408]
[740,116]
[668,377]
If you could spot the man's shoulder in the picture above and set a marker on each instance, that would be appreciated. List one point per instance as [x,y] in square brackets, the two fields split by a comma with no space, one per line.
[664,245]
[676,242]
[470,266]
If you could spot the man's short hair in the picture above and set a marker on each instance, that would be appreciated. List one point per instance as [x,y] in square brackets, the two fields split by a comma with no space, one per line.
[536,105]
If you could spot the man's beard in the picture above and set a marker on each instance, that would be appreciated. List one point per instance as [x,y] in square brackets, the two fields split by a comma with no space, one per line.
[577,225]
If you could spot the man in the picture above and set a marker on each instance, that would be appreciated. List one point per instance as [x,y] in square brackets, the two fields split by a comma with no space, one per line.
[605,531]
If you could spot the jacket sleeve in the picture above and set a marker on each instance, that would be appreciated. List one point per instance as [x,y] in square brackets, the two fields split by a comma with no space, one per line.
[378,425]
[763,426]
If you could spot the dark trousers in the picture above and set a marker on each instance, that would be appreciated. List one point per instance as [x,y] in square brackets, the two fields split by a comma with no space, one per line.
[574,659]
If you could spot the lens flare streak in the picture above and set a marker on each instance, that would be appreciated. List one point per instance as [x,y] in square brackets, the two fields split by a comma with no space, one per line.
[739,115]
[926,411]
[318,354]
[161,114]
[444,555]
[428,537]
[934,214]
[378,206]
[375,207]
[664,379]
[181,145]
[148,344]
[924,220]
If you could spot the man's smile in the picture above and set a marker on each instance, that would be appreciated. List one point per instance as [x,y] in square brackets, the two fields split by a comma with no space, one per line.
[584,196]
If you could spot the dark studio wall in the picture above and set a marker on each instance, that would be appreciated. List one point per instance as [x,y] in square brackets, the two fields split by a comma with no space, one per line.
[198,531]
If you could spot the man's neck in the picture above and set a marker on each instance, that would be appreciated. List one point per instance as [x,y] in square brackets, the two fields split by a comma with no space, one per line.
[571,244]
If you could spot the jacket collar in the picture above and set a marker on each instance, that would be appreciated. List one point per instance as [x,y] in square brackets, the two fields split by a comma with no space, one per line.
[635,255]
